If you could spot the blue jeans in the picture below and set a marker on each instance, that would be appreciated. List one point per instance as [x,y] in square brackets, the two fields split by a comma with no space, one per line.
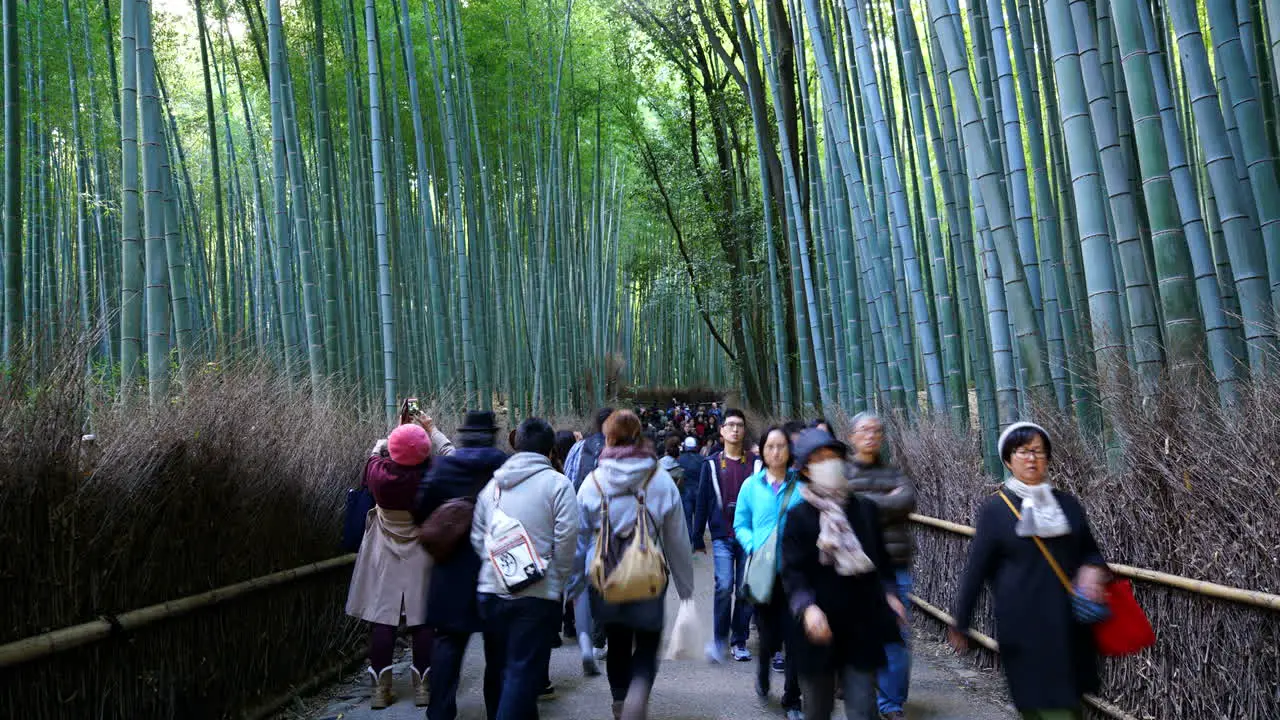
[732,611]
[895,678]
[516,644]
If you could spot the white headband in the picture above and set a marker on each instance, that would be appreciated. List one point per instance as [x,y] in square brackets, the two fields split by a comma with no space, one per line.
[1004,436]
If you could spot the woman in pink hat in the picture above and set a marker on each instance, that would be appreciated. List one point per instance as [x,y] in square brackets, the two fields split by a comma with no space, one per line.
[392,568]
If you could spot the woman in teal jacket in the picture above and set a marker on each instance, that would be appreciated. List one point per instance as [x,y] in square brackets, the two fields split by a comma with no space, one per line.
[762,507]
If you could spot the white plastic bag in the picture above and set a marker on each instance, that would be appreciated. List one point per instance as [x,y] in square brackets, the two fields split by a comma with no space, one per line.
[684,641]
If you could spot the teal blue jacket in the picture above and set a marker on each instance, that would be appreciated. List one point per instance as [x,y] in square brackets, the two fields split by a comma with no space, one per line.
[758,508]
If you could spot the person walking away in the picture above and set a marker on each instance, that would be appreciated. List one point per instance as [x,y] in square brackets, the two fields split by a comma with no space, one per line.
[632,487]
[524,532]
[585,454]
[452,612]
[565,440]
[758,523]
[894,495]
[392,567]
[670,461]
[721,479]
[1049,659]
[835,572]
[691,460]
[581,461]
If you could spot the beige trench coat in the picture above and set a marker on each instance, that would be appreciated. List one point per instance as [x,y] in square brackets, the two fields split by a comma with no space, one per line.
[391,573]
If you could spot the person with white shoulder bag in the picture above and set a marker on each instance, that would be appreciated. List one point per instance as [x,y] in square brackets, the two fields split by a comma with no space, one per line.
[525,531]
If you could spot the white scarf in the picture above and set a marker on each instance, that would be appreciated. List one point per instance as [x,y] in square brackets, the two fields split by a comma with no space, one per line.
[1042,516]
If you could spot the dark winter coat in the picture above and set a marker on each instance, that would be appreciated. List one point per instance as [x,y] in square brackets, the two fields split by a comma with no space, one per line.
[1048,658]
[692,463]
[877,483]
[451,597]
[860,618]
[588,458]
[709,506]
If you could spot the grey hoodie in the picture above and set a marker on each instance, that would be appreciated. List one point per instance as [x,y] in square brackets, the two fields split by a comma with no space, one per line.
[620,479]
[542,500]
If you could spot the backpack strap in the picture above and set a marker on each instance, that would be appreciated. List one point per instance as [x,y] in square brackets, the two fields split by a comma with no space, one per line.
[715,481]
[1044,549]
[606,526]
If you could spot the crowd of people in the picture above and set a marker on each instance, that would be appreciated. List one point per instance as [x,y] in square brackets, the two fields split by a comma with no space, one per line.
[809,542]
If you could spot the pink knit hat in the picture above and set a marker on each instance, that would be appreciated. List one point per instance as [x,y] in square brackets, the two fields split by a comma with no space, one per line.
[409,445]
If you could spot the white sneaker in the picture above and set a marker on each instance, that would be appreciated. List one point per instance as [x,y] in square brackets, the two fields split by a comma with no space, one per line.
[602,654]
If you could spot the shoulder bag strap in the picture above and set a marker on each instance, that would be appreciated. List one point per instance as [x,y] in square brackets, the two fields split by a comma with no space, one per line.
[1057,569]
[786,498]
[642,508]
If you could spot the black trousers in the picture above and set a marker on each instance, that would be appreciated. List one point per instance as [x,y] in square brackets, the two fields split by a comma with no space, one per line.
[445,674]
[633,655]
[777,629]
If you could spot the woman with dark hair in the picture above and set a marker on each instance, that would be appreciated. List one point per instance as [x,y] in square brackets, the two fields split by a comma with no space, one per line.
[1049,657]
[565,440]
[758,524]
[628,471]
[839,583]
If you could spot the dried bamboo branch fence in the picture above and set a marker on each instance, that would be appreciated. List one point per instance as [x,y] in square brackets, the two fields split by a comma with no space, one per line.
[1255,598]
[1191,508]
[58,641]
[990,643]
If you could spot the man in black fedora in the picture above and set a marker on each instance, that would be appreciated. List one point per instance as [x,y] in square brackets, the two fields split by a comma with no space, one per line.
[455,480]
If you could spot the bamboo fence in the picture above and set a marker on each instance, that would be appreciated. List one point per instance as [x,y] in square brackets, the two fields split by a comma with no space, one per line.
[50,643]
[1255,598]
[990,643]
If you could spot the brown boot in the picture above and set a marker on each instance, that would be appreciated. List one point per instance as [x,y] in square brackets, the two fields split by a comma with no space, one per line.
[421,687]
[383,695]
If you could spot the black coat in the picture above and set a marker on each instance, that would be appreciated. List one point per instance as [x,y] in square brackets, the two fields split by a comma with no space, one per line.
[451,597]
[692,463]
[1048,658]
[878,484]
[860,618]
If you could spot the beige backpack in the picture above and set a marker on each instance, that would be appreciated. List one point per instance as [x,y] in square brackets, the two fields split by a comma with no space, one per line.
[631,567]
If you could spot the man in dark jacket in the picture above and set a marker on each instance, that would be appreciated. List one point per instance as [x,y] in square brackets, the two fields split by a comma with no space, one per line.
[894,496]
[722,476]
[451,597]
[692,461]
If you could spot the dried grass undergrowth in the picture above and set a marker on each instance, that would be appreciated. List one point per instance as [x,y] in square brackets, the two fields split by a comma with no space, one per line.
[240,478]
[1198,495]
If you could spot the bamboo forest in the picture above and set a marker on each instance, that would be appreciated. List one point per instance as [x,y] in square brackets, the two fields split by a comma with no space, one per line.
[966,209]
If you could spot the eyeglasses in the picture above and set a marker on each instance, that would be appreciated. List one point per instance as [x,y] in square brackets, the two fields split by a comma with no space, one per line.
[733,426]
[1031,454]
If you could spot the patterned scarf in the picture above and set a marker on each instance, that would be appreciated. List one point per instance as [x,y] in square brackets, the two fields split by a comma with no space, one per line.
[838,546]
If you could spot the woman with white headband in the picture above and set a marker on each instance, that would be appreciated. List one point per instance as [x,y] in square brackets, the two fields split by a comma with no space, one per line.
[1047,653]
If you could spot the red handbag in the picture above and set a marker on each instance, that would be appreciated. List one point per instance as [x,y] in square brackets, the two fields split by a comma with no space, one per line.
[1127,631]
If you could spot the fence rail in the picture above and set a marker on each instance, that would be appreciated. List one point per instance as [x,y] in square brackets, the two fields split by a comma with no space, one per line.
[1255,598]
[56,641]
[990,643]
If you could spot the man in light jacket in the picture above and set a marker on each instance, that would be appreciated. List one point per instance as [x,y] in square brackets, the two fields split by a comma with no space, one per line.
[516,644]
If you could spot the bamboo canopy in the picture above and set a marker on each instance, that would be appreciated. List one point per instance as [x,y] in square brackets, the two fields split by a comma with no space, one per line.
[1255,598]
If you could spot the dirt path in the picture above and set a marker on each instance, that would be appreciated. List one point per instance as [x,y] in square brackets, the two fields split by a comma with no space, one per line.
[943,687]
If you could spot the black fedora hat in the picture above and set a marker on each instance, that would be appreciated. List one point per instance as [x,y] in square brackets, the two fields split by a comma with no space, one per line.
[482,421]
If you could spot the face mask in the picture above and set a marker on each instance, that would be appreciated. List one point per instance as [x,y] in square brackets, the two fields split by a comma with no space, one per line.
[828,474]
